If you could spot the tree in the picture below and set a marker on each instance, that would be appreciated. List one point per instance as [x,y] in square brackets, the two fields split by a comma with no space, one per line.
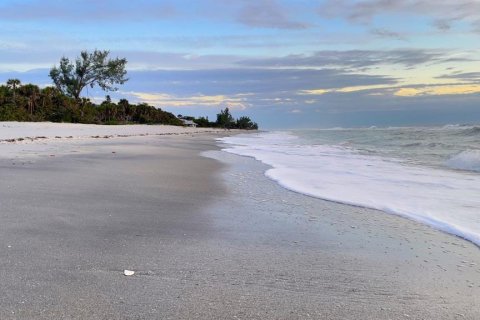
[203,122]
[89,69]
[13,84]
[32,93]
[225,119]
[3,94]
[124,107]
[246,123]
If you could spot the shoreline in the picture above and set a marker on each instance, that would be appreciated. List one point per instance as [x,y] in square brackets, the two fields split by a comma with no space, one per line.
[371,264]
[435,195]
[209,239]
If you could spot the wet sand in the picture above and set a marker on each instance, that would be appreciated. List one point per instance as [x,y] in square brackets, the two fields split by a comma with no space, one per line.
[208,239]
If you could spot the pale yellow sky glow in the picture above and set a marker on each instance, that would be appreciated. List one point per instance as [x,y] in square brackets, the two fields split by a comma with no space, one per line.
[438,90]
[236,102]
[418,90]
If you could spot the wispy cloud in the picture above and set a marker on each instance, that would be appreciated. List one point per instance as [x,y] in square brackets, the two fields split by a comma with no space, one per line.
[267,14]
[442,13]
[355,58]
[89,10]
[462,76]
[150,59]
[442,24]
[319,92]
[385,33]
[399,90]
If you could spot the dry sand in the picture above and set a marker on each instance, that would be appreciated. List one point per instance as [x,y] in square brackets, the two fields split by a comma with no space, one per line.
[207,240]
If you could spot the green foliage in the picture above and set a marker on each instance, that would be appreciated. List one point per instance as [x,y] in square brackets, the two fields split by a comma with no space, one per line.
[13,84]
[89,69]
[50,104]
[225,119]
[203,122]
[9,112]
[246,123]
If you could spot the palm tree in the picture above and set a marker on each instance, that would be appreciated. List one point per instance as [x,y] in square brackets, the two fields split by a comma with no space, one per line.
[48,93]
[3,94]
[13,84]
[32,93]
[124,107]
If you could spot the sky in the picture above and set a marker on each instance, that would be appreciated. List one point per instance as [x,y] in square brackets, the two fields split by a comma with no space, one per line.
[283,63]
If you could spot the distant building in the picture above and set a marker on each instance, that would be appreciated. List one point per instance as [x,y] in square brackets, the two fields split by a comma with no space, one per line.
[188,123]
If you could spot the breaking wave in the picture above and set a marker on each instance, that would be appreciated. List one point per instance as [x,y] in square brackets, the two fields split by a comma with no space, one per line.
[466,160]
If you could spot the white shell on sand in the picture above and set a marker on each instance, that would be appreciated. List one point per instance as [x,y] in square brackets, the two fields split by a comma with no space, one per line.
[128,272]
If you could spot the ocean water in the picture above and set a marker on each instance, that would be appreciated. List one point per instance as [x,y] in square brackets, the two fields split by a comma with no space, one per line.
[428,174]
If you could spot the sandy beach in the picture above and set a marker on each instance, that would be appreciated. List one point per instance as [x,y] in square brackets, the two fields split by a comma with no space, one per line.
[208,236]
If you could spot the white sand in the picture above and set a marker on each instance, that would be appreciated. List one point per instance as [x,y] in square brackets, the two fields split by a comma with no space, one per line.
[21,140]
[15,130]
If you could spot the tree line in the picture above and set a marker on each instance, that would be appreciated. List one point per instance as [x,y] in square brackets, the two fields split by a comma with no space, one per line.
[63,102]
[224,120]
[30,103]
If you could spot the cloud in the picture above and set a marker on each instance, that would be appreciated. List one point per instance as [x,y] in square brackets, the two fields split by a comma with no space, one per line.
[24,60]
[443,13]
[259,14]
[462,76]
[400,91]
[354,58]
[254,90]
[318,92]
[407,92]
[150,59]
[296,111]
[259,81]
[89,10]
[384,33]
[442,24]
[267,14]
[241,41]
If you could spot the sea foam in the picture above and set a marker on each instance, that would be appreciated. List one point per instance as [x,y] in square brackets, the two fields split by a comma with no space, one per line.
[466,160]
[445,199]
